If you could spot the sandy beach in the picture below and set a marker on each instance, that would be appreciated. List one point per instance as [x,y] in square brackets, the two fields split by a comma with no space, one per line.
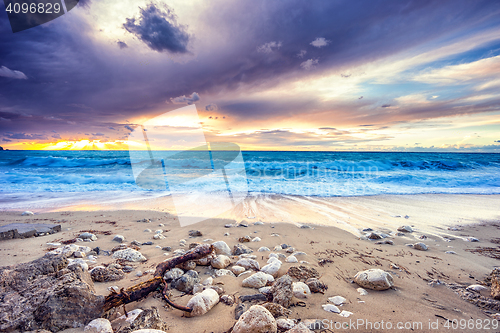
[334,252]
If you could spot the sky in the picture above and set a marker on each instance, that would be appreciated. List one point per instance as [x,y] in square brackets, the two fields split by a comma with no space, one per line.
[267,75]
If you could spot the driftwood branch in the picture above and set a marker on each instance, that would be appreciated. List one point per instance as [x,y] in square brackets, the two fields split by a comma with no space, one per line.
[141,290]
[172,304]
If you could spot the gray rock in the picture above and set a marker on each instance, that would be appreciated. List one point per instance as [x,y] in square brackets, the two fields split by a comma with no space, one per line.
[88,235]
[167,248]
[147,243]
[173,274]
[186,282]
[147,320]
[257,319]
[282,291]
[129,254]
[241,249]
[127,269]
[106,274]
[420,246]
[405,228]
[119,238]
[99,325]
[27,213]
[375,279]
[316,286]
[373,236]
[47,294]
[195,233]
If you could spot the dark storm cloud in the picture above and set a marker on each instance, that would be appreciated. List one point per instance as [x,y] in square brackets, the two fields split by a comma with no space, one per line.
[122,45]
[211,107]
[497,141]
[158,28]
[194,97]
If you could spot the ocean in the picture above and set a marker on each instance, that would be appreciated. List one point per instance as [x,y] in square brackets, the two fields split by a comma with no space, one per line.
[27,178]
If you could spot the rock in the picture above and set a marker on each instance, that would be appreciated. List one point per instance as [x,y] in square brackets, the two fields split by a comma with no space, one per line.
[166,248]
[495,283]
[257,239]
[186,282]
[330,308]
[148,243]
[129,255]
[242,224]
[47,294]
[145,321]
[237,269]
[258,223]
[285,324]
[266,291]
[27,213]
[362,292]
[147,230]
[195,233]
[248,264]
[228,226]
[78,254]
[302,273]
[187,265]
[160,236]
[119,239]
[257,280]
[345,313]
[405,228]
[277,248]
[79,262]
[316,286]
[241,249]
[385,241]
[337,300]
[202,303]
[227,299]
[291,259]
[420,246]
[373,235]
[221,261]
[99,325]
[257,319]
[263,249]
[300,290]
[282,291]
[224,272]
[476,287]
[305,226]
[221,247]
[276,309]
[173,274]
[139,273]
[88,235]
[106,274]
[205,261]
[450,252]
[471,239]
[245,239]
[290,250]
[272,268]
[375,279]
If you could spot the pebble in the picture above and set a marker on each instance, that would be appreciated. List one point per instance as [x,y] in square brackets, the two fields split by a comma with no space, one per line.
[420,246]
[208,281]
[476,287]
[248,264]
[362,292]
[221,261]
[272,268]
[375,279]
[147,243]
[114,289]
[298,253]
[300,290]
[291,259]
[173,274]
[405,228]
[285,324]
[258,223]
[471,239]
[257,280]
[373,235]
[278,248]
[206,240]
[257,319]
[27,213]
[160,236]
[127,269]
[118,238]
[330,308]
[139,273]
[202,303]
[241,249]
[245,239]
[345,313]
[237,270]
[54,244]
[88,235]
[161,225]
[186,282]
[450,252]
[99,325]
[223,272]
[263,249]
[195,233]
[227,234]
[227,299]
[147,230]
[337,300]
[228,226]
[256,239]
[129,255]
[166,248]
[221,247]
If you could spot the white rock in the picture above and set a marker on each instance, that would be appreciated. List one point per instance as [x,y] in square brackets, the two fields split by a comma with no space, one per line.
[471,239]
[265,290]
[263,249]
[476,287]
[375,279]
[202,303]
[99,325]
[285,324]
[221,261]
[223,272]
[362,292]
[159,236]
[405,228]
[258,223]
[420,246]
[450,252]
[298,253]
[272,268]
[330,308]
[273,259]
[221,247]
[337,300]
[27,213]
[131,315]
[159,231]
[248,264]
[208,281]
[300,290]
[119,238]
[256,239]
[278,248]
[54,244]
[114,289]
[257,280]
[227,234]
[257,319]
[237,270]
[345,313]
[80,262]
[129,255]
[291,259]
[198,288]
[245,273]
[272,255]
